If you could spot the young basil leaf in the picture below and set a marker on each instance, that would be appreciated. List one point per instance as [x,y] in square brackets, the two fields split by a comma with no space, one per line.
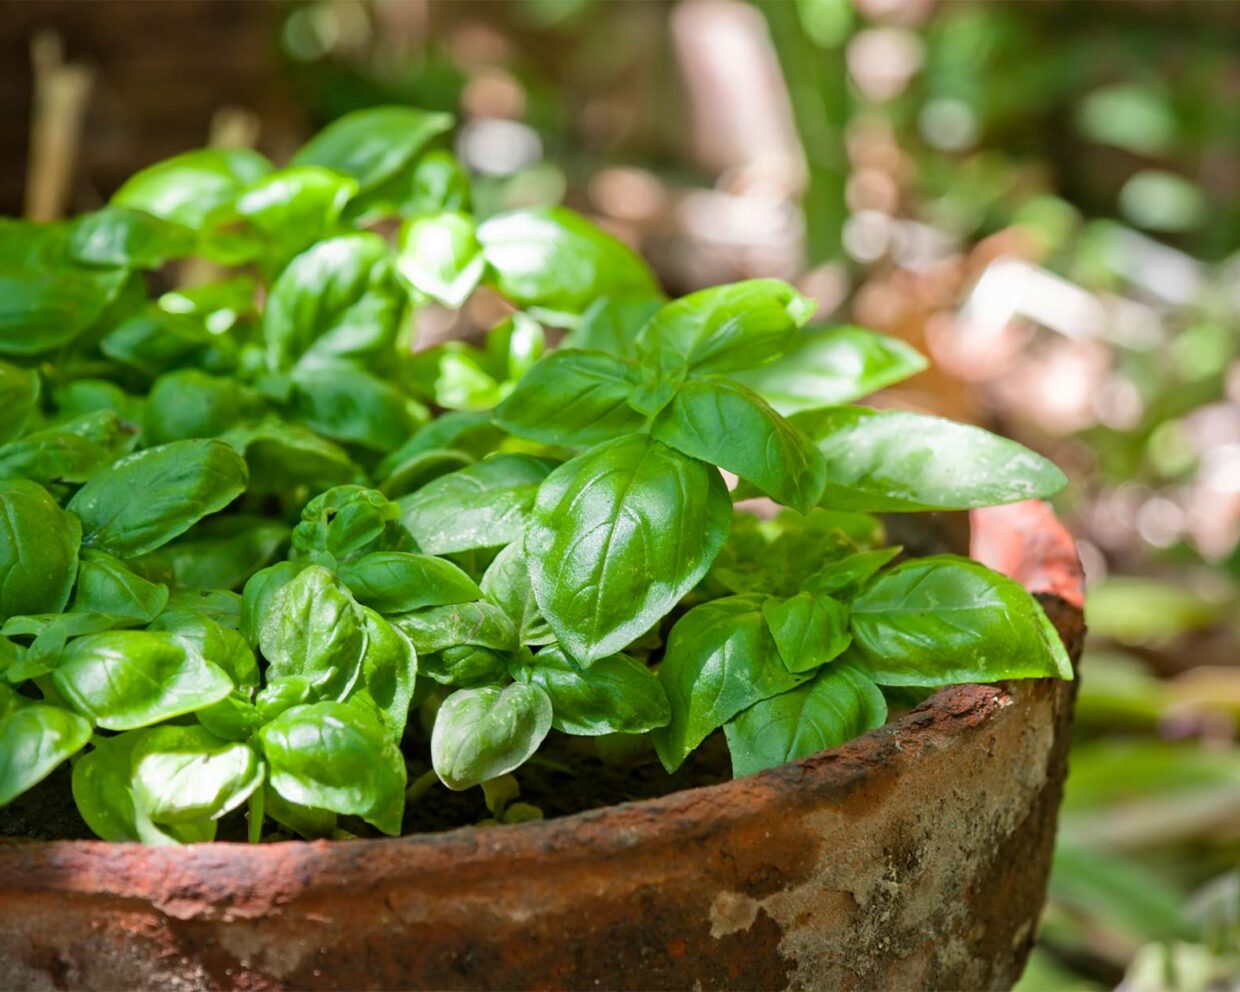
[840,703]
[572,397]
[345,523]
[213,642]
[51,631]
[720,660]
[305,821]
[397,582]
[440,256]
[372,145]
[826,366]
[292,208]
[437,182]
[43,308]
[34,739]
[233,718]
[53,456]
[618,535]
[554,259]
[480,734]
[845,576]
[124,679]
[896,462]
[219,553]
[506,583]
[313,630]
[178,484]
[187,774]
[259,595]
[808,629]
[482,506]
[350,405]
[105,585]
[103,792]
[38,550]
[281,456]
[186,188]
[737,326]
[220,605]
[19,399]
[453,375]
[389,668]
[612,325]
[465,666]
[481,624]
[615,695]
[725,424]
[127,238]
[943,620]
[338,299]
[191,404]
[514,345]
[335,756]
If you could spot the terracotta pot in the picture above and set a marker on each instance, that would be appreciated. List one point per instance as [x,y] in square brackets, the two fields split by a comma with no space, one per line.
[913,858]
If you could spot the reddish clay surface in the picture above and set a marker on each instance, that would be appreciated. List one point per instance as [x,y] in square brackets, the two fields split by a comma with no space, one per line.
[915,857]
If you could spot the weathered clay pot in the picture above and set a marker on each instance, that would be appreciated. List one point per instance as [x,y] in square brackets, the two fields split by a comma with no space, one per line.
[913,858]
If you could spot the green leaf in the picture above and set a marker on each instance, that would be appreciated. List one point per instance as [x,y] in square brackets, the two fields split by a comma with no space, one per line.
[465,666]
[809,629]
[506,583]
[350,405]
[484,505]
[514,345]
[615,695]
[210,640]
[34,739]
[339,299]
[372,145]
[19,399]
[105,585]
[56,455]
[722,329]
[153,342]
[220,553]
[554,259]
[187,774]
[481,624]
[389,668]
[838,704]
[572,397]
[145,500]
[437,182]
[312,630]
[846,576]
[281,456]
[345,523]
[612,325]
[943,620]
[127,238]
[720,659]
[828,366]
[122,679]
[618,535]
[480,734]
[335,756]
[46,307]
[453,375]
[103,791]
[440,256]
[398,581]
[259,595]
[192,404]
[38,550]
[292,208]
[186,188]
[896,462]
[725,424]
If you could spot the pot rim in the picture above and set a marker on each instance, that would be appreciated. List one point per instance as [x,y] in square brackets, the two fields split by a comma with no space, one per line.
[1023,540]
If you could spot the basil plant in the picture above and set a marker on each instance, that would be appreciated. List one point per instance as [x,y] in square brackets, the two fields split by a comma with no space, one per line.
[264,564]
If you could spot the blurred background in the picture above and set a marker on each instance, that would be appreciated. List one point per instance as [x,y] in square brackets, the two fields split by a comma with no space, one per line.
[1043,197]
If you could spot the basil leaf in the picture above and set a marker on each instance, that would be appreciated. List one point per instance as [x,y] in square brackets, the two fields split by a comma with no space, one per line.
[219,553]
[554,259]
[281,456]
[34,739]
[514,346]
[344,523]
[233,718]
[122,679]
[506,583]
[313,630]
[896,462]
[46,307]
[615,695]
[305,821]
[846,576]
[618,535]
[19,399]
[808,629]
[371,145]
[350,405]
[397,582]
[389,668]
[337,300]
[335,756]
[572,397]
[105,585]
[465,666]
[191,404]
[453,375]
[153,342]
[437,182]
[725,424]
[38,550]
[943,620]
[187,774]
[612,325]
[480,734]
[103,792]
[126,238]
[186,188]
[840,703]
[55,455]
[213,642]
[484,505]
[722,329]
[146,499]
[292,208]
[826,366]
[720,659]
[440,627]
[440,256]
[259,594]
